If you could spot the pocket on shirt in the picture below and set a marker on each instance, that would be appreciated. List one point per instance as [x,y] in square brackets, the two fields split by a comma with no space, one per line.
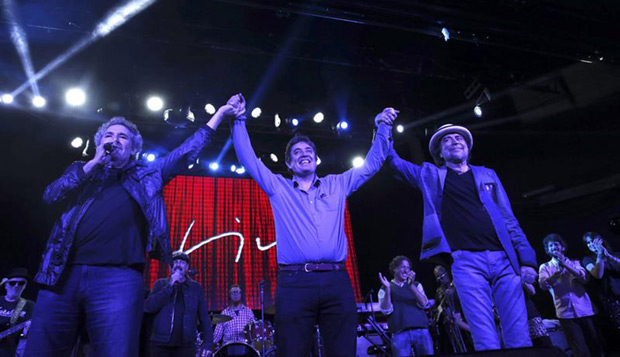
[328,203]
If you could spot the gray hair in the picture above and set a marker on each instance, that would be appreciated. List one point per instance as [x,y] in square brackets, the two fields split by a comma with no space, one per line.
[136,138]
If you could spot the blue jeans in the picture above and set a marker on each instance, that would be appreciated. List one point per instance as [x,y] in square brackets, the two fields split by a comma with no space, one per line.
[307,299]
[108,300]
[414,342]
[485,279]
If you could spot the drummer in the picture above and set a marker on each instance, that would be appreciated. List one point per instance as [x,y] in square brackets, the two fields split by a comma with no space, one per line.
[233,330]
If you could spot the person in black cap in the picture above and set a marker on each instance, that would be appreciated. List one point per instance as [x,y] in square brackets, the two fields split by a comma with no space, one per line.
[15,311]
[467,214]
[180,308]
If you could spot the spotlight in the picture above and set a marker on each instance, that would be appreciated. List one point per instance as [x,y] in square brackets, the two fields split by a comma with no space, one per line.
[273,157]
[295,121]
[240,170]
[150,157]
[77,142]
[256,112]
[400,128]
[277,121]
[75,97]
[7,99]
[180,118]
[210,109]
[154,104]
[318,161]
[38,101]
[318,117]
[342,125]
[214,166]
[478,111]
[233,168]
[446,34]
[358,161]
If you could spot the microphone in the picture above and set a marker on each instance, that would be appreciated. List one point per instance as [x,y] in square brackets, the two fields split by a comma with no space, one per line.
[108,148]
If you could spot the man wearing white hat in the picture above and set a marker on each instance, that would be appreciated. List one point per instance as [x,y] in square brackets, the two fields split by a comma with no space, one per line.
[467,214]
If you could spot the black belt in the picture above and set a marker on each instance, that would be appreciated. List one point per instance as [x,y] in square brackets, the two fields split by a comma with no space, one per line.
[310,267]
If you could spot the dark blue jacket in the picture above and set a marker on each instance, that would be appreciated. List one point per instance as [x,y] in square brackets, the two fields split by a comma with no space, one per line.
[143,182]
[161,303]
[430,180]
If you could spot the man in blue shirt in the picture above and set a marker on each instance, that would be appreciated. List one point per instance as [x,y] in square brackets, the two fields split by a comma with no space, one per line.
[313,285]
[467,214]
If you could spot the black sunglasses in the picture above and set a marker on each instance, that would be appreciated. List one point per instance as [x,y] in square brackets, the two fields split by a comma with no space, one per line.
[17,282]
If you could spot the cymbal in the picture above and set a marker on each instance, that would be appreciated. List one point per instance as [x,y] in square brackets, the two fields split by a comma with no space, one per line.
[218,319]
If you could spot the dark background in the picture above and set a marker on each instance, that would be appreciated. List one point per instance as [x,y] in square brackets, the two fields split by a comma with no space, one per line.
[550,128]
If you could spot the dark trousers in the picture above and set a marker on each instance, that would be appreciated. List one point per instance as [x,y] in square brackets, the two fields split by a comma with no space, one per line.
[172,351]
[582,336]
[108,300]
[307,299]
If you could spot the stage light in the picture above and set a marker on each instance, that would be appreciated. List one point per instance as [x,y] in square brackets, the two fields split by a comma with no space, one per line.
[20,41]
[318,117]
[38,101]
[273,157]
[358,161]
[77,142]
[277,121]
[210,109]
[120,15]
[256,112]
[150,157]
[478,111]
[400,128]
[318,161]
[75,97]
[342,125]
[180,118]
[7,98]
[214,166]
[240,170]
[233,168]
[446,34]
[295,121]
[154,103]
[113,19]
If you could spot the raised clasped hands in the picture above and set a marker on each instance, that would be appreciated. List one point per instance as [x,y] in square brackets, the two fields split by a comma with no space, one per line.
[387,116]
[234,107]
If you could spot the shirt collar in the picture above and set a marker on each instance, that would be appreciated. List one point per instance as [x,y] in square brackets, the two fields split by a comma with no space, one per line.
[316,183]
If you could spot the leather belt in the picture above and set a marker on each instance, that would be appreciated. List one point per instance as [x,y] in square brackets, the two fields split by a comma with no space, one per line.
[311,267]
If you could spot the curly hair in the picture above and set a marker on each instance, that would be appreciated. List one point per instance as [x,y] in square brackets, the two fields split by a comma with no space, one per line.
[553,237]
[136,137]
[397,261]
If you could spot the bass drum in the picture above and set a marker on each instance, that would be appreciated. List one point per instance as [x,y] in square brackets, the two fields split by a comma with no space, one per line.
[258,337]
[236,349]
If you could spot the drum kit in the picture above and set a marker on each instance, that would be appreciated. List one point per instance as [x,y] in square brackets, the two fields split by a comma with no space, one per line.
[258,336]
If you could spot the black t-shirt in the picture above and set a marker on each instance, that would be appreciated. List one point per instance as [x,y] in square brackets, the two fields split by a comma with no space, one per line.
[113,230]
[465,222]
[9,344]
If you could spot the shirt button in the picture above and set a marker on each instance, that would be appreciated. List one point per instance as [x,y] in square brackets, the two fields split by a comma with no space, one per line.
[310,202]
